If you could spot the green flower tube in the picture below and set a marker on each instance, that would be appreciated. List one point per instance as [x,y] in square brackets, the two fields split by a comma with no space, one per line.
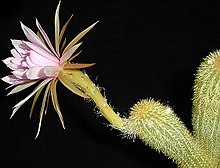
[82,82]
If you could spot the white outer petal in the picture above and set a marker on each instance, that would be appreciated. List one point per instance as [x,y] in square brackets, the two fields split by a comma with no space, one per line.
[7,60]
[20,74]
[15,53]
[18,44]
[69,53]
[21,87]
[8,79]
[18,105]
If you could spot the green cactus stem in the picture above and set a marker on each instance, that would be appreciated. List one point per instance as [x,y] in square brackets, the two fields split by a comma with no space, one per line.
[206,105]
[159,127]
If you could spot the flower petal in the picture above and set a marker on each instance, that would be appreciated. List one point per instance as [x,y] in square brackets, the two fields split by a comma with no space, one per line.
[74,56]
[20,73]
[51,71]
[13,80]
[79,36]
[19,104]
[41,60]
[46,38]
[42,52]
[21,87]
[35,100]
[35,73]
[29,62]
[7,60]
[15,53]
[57,27]
[17,61]
[10,79]
[69,53]
[32,37]
[19,46]
[55,101]
[63,29]
[42,109]
[10,62]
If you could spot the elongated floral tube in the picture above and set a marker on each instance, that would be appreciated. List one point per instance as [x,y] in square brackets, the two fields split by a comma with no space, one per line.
[82,81]
[159,127]
[206,105]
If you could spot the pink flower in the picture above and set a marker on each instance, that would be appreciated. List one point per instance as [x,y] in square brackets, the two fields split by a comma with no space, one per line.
[36,60]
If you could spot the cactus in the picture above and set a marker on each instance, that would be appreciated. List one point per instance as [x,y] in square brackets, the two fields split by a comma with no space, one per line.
[206,106]
[160,128]
[151,121]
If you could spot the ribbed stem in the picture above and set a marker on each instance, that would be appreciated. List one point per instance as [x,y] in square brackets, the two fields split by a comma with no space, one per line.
[206,105]
[159,127]
[82,81]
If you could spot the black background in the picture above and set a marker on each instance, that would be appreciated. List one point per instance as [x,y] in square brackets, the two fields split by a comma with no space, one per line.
[141,49]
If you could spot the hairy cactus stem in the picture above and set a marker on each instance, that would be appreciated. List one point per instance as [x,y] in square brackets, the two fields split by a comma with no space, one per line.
[206,105]
[159,127]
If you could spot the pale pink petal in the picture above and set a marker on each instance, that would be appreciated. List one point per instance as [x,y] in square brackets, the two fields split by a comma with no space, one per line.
[18,105]
[17,57]
[69,53]
[32,37]
[46,38]
[15,53]
[35,73]
[14,66]
[17,61]
[13,80]
[9,79]
[24,64]
[20,73]
[21,87]
[51,71]
[41,60]
[29,62]
[8,60]
[42,52]
[19,46]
